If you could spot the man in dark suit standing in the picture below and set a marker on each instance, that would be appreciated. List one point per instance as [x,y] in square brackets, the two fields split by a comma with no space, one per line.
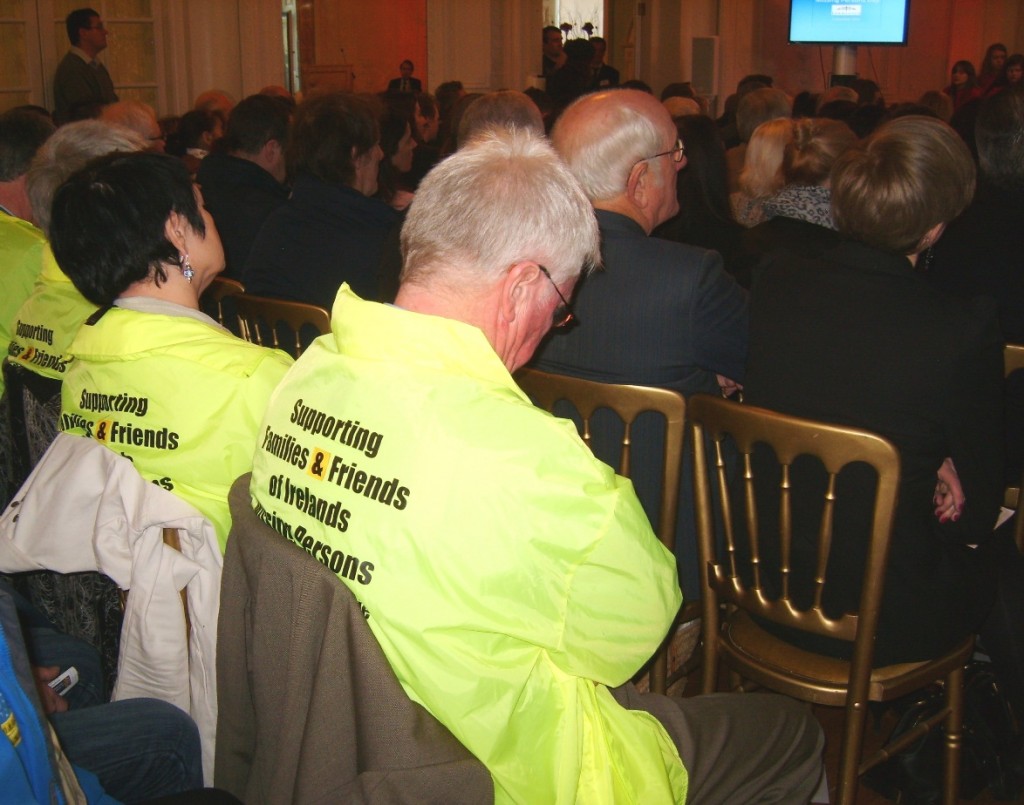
[406,84]
[661,313]
[602,75]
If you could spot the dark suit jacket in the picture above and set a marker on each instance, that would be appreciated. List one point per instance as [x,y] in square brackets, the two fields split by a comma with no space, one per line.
[981,253]
[309,709]
[659,314]
[239,195]
[80,89]
[781,233]
[857,338]
[324,235]
[395,85]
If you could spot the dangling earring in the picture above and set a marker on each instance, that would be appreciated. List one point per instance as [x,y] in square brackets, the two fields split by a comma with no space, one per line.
[186,267]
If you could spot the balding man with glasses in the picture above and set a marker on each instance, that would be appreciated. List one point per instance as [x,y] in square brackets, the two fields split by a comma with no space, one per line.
[661,313]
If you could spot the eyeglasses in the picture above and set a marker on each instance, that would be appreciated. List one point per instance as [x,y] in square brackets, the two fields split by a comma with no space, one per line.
[562,315]
[100,27]
[677,153]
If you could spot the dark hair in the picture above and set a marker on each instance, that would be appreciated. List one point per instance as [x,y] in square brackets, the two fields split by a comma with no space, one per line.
[447,95]
[393,122]
[547,28]
[255,121]
[986,63]
[425,101]
[22,133]
[964,66]
[325,132]
[579,50]
[678,89]
[407,61]
[636,83]
[998,133]
[701,186]
[108,222]
[76,20]
[191,127]
[868,92]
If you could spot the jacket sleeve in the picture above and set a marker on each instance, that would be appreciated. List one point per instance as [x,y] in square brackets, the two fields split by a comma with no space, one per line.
[719,320]
[973,423]
[622,599]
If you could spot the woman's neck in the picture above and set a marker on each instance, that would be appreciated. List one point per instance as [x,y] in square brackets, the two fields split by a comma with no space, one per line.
[176,289]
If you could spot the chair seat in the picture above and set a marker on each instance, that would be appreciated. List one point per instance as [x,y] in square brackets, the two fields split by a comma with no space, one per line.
[761,656]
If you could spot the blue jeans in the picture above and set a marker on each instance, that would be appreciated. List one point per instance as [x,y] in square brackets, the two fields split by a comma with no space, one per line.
[138,748]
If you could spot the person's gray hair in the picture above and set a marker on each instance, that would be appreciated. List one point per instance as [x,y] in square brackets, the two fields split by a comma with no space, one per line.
[601,157]
[759,107]
[504,198]
[70,148]
[505,108]
[135,115]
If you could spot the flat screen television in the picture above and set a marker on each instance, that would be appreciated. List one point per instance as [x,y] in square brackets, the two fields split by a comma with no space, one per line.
[830,22]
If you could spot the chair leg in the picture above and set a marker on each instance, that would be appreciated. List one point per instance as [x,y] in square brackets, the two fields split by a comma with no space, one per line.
[954,736]
[849,752]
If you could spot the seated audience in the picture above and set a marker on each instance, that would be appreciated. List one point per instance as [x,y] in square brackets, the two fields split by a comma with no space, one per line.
[398,145]
[196,134]
[217,102]
[992,65]
[660,313]
[243,182]
[762,171]
[22,244]
[138,117]
[799,214]
[506,108]
[49,318]
[963,84]
[754,108]
[858,338]
[331,230]
[425,131]
[705,217]
[513,588]
[125,751]
[939,103]
[22,134]
[152,377]
[980,252]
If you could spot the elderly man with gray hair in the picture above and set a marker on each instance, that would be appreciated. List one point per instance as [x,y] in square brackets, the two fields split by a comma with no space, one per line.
[661,313]
[511,578]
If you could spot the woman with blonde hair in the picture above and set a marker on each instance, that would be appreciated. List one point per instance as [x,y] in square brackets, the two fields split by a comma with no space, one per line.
[798,216]
[762,170]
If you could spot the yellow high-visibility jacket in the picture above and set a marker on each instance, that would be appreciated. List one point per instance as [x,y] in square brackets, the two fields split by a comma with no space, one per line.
[509,576]
[181,398]
[21,257]
[47,322]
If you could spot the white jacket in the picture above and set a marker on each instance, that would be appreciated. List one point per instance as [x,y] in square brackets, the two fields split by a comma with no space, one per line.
[85,508]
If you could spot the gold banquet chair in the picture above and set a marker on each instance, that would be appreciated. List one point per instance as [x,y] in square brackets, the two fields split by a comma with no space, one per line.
[1013,359]
[269,322]
[628,402]
[753,654]
[213,299]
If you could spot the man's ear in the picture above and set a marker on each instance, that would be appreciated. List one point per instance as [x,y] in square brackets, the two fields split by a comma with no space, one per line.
[518,289]
[270,151]
[637,184]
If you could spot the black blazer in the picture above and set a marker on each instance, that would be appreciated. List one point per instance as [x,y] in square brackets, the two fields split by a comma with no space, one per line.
[395,85]
[856,337]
